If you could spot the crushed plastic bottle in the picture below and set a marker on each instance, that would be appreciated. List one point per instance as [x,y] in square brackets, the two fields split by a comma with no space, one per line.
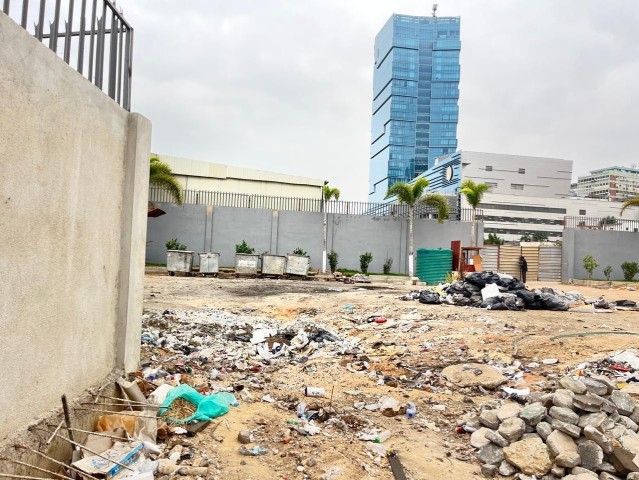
[253,452]
[411,410]
[382,437]
[301,410]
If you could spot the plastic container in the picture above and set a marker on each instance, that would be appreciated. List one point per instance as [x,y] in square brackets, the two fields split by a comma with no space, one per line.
[433,265]
[246,264]
[273,265]
[411,410]
[382,437]
[297,264]
[179,261]
[209,263]
[301,410]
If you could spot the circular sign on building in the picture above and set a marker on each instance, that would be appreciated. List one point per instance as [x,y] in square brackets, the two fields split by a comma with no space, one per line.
[448,173]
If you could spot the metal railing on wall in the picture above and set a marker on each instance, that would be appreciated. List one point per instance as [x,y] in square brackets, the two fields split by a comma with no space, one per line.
[601,223]
[228,199]
[92,36]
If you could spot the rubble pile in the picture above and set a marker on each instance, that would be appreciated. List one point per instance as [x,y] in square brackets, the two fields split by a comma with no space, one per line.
[585,429]
[497,291]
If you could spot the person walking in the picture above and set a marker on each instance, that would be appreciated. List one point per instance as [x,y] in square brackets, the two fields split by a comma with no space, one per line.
[523,268]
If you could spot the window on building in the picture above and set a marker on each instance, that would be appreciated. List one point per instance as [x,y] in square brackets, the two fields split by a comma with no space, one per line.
[516,186]
[522,170]
[582,212]
[489,168]
[492,184]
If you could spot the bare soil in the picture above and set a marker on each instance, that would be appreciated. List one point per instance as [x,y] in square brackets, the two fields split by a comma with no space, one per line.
[428,446]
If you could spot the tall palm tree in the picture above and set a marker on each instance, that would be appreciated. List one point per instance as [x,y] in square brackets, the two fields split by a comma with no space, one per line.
[328,194]
[160,175]
[439,203]
[409,194]
[474,192]
[631,202]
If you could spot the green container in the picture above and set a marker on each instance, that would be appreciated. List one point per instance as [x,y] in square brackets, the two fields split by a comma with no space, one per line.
[433,265]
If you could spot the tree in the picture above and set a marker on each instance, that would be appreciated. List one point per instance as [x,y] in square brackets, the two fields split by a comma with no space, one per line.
[439,203]
[409,194]
[539,237]
[629,269]
[631,202]
[525,238]
[590,264]
[328,194]
[474,192]
[494,239]
[609,220]
[160,175]
[608,272]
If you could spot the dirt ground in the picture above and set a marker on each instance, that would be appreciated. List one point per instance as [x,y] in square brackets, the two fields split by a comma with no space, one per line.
[427,445]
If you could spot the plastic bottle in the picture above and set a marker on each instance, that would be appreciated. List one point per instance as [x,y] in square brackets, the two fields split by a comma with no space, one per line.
[253,452]
[301,410]
[382,437]
[411,410]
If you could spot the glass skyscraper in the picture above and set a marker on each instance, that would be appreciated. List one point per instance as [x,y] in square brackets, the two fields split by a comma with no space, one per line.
[415,96]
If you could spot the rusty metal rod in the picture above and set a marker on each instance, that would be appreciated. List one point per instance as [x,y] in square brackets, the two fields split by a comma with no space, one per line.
[114,413]
[100,434]
[118,405]
[82,447]
[57,462]
[11,475]
[122,400]
[24,464]
[67,416]
[56,431]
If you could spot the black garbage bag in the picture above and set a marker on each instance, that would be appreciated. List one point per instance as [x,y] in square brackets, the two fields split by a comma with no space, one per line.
[472,289]
[547,290]
[489,302]
[457,288]
[480,279]
[513,302]
[476,300]
[552,302]
[428,297]
[498,306]
[460,300]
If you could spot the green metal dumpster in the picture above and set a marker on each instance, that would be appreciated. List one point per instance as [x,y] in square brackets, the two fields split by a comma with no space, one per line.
[433,265]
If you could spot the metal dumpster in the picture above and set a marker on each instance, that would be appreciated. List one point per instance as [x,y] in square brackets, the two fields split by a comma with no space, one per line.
[297,264]
[209,263]
[273,265]
[179,261]
[246,264]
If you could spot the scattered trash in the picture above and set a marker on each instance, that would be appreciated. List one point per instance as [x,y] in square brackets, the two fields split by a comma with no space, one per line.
[314,392]
[253,452]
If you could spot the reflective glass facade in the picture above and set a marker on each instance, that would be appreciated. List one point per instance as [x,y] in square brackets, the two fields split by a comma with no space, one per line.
[415,98]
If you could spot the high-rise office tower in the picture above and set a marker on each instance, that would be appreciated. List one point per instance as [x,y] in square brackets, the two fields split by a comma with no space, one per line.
[415,95]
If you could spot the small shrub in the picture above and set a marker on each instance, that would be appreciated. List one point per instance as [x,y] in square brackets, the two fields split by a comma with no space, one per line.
[608,272]
[590,264]
[388,263]
[332,260]
[173,244]
[244,248]
[452,277]
[494,239]
[299,251]
[364,261]
[630,269]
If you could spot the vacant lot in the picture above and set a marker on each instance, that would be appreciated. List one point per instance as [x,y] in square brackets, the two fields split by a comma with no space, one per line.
[401,358]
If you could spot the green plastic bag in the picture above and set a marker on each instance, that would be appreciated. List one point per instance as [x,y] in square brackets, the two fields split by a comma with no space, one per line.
[208,406]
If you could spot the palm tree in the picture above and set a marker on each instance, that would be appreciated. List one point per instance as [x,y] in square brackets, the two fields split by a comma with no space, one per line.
[631,202]
[328,194]
[409,194]
[160,175]
[474,192]
[439,203]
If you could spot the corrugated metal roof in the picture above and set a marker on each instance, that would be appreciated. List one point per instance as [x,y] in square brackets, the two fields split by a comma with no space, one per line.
[198,168]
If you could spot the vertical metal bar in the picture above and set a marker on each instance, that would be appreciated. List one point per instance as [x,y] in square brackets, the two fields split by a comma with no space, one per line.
[92,40]
[126,100]
[53,43]
[67,37]
[113,51]
[120,70]
[40,26]
[99,67]
[25,11]
[5,8]
[83,8]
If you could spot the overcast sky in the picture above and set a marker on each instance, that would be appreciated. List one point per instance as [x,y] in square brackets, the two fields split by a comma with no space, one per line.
[286,85]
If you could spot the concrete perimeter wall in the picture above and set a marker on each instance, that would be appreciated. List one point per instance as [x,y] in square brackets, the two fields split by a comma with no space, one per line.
[218,229]
[73,201]
[608,247]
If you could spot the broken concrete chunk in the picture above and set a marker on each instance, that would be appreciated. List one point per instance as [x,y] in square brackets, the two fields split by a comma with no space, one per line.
[506,469]
[624,403]
[605,442]
[587,403]
[533,414]
[564,414]
[591,455]
[573,384]
[626,452]
[544,429]
[606,381]
[584,471]
[629,424]
[512,429]
[474,374]
[563,398]
[593,386]
[491,454]
[592,419]
[572,430]
[488,418]
[530,456]
[508,410]
[488,470]
[496,438]
[478,438]
[564,449]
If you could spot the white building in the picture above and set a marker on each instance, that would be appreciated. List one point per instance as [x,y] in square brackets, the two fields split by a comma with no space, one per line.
[616,184]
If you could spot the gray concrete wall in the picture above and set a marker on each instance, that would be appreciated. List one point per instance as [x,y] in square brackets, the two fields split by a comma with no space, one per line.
[608,248]
[73,194]
[219,229]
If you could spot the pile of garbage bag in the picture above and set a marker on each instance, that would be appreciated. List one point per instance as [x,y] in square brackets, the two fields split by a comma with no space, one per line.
[495,291]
